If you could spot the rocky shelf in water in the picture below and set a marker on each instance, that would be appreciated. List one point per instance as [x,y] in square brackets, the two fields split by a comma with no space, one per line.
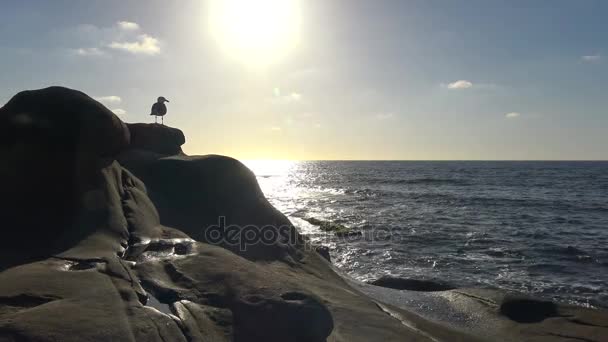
[111,232]
[338,229]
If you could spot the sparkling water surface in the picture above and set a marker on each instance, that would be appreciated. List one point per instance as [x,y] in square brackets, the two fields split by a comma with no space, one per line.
[534,227]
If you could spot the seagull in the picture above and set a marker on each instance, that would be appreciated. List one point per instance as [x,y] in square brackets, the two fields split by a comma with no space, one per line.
[159,109]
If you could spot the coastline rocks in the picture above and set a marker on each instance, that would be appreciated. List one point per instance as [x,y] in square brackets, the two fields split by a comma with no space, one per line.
[216,199]
[411,284]
[103,266]
[106,241]
[156,138]
[498,315]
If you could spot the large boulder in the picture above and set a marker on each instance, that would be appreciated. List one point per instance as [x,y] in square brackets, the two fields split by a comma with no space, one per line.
[62,116]
[216,199]
[53,143]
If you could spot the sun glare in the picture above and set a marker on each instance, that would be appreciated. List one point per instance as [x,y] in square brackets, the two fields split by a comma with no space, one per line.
[257,32]
[266,167]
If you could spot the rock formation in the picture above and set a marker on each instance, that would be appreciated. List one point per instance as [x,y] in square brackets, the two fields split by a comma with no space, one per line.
[110,232]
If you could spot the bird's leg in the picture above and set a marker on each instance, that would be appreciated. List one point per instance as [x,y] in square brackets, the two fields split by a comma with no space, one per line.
[162,120]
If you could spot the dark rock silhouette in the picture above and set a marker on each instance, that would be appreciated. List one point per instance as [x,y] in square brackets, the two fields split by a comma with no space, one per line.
[156,138]
[214,192]
[53,142]
[411,284]
[105,230]
[63,116]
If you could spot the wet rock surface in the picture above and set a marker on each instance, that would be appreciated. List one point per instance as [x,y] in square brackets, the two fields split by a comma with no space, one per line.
[338,229]
[106,239]
[495,315]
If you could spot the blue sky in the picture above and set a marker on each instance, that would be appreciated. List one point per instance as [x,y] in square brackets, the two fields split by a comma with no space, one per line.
[363,80]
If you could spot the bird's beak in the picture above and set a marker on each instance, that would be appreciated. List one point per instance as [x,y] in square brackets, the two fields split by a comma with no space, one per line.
[167,100]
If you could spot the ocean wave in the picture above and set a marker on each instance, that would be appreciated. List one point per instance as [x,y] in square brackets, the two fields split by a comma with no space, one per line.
[524,227]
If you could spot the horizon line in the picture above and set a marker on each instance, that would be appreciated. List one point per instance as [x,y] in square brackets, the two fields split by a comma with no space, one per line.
[437,160]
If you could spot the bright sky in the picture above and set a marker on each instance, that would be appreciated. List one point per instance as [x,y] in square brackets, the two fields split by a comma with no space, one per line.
[331,79]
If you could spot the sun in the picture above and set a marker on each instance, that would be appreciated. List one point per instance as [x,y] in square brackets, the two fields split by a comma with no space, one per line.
[257,32]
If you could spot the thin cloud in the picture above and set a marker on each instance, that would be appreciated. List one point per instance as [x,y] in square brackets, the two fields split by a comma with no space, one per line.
[109,99]
[512,115]
[591,58]
[128,25]
[144,44]
[119,111]
[91,51]
[460,84]
[124,36]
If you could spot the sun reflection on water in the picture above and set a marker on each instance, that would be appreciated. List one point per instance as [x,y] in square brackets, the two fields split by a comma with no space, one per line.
[276,179]
[268,168]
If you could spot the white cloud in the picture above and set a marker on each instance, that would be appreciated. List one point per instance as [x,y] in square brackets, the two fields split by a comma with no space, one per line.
[119,111]
[460,84]
[591,58]
[91,40]
[144,44]
[128,25]
[91,51]
[109,99]
[384,116]
[512,115]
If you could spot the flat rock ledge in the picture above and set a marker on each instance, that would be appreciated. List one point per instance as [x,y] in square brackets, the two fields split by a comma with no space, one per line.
[112,233]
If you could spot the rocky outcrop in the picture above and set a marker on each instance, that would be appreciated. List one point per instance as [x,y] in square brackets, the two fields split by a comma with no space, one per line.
[121,259]
[338,229]
[215,199]
[107,236]
[156,138]
[64,117]
[53,143]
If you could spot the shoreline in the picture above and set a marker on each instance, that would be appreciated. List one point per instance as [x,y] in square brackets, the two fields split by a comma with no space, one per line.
[106,239]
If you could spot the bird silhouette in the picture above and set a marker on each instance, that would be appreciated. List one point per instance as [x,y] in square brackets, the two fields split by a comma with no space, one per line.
[159,109]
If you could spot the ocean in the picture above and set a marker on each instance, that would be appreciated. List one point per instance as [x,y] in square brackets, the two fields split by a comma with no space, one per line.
[535,227]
